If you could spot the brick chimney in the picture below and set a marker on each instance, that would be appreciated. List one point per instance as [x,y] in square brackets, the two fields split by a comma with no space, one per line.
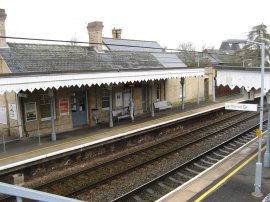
[116,33]
[95,34]
[3,16]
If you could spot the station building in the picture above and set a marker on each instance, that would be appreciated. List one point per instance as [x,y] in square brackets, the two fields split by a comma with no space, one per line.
[87,85]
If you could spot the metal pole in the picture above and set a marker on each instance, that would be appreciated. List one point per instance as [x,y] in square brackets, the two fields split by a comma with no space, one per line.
[258,172]
[110,113]
[18,199]
[152,100]
[214,89]
[51,96]
[182,84]
[198,84]
[267,152]
[19,115]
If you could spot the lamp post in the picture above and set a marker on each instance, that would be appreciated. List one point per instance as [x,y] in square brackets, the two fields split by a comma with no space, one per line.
[182,82]
[198,83]
[110,106]
[258,172]
[51,97]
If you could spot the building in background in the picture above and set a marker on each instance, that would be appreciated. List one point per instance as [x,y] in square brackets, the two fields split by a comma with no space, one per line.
[51,88]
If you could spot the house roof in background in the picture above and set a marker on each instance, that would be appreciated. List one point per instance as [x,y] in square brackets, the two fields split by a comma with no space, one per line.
[223,57]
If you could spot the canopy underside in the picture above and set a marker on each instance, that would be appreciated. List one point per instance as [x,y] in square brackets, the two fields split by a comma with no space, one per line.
[45,81]
[246,79]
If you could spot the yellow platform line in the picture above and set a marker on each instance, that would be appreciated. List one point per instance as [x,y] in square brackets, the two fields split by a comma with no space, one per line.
[113,131]
[116,131]
[221,182]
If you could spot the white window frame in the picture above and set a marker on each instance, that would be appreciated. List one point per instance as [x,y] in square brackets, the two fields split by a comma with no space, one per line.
[102,96]
[127,96]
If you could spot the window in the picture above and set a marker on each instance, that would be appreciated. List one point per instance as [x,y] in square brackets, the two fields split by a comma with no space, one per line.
[105,98]
[30,111]
[45,110]
[158,92]
[127,96]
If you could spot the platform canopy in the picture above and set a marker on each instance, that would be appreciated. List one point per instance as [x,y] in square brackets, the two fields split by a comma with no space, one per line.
[246,77]
[22,82]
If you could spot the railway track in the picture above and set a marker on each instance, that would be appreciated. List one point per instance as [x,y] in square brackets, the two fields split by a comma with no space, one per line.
[163,184]
[90,178]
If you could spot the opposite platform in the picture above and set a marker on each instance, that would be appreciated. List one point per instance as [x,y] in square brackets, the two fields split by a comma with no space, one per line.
[25,151]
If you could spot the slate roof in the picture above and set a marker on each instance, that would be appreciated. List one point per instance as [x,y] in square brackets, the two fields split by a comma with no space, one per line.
[169,60]
[224,57]
[25,58]
[131,45]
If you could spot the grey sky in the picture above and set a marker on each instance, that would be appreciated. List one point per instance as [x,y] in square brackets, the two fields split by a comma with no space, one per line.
[171,22]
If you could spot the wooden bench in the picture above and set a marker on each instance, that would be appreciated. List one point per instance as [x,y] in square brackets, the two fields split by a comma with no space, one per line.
[121,113]
[160,105]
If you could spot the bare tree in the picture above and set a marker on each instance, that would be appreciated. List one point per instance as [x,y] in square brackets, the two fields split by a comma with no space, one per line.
[193,58]
[188,53]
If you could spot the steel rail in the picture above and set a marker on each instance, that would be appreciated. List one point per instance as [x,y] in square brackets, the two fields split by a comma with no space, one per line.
[90,186]
[182,166]
[120,173]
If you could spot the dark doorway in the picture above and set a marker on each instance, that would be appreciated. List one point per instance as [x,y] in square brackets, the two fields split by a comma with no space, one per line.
[206,89]
[78,109]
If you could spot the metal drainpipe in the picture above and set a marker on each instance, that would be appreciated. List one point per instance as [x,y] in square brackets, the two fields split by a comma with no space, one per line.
[182,84]
[51,96]
[19,121]
[110,113]
[152,100]
[214,89]
[7,114]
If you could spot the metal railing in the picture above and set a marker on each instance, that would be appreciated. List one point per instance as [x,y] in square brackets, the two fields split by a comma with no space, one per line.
[22,192]
[4,132]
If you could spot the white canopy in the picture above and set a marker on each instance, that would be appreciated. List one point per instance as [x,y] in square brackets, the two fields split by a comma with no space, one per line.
[43,81]
[243,77]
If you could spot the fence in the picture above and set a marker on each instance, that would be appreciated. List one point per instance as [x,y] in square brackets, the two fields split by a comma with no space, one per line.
[22,192]
[12,134]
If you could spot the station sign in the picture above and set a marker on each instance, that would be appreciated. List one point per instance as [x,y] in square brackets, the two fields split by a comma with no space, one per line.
[241,107]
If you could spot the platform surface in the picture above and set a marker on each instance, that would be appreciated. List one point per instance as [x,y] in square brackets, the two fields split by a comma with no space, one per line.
[29,149]
[238,187]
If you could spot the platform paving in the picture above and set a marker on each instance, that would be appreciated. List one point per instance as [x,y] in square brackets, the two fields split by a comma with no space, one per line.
[230,181]
[29,148]
[239,187]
